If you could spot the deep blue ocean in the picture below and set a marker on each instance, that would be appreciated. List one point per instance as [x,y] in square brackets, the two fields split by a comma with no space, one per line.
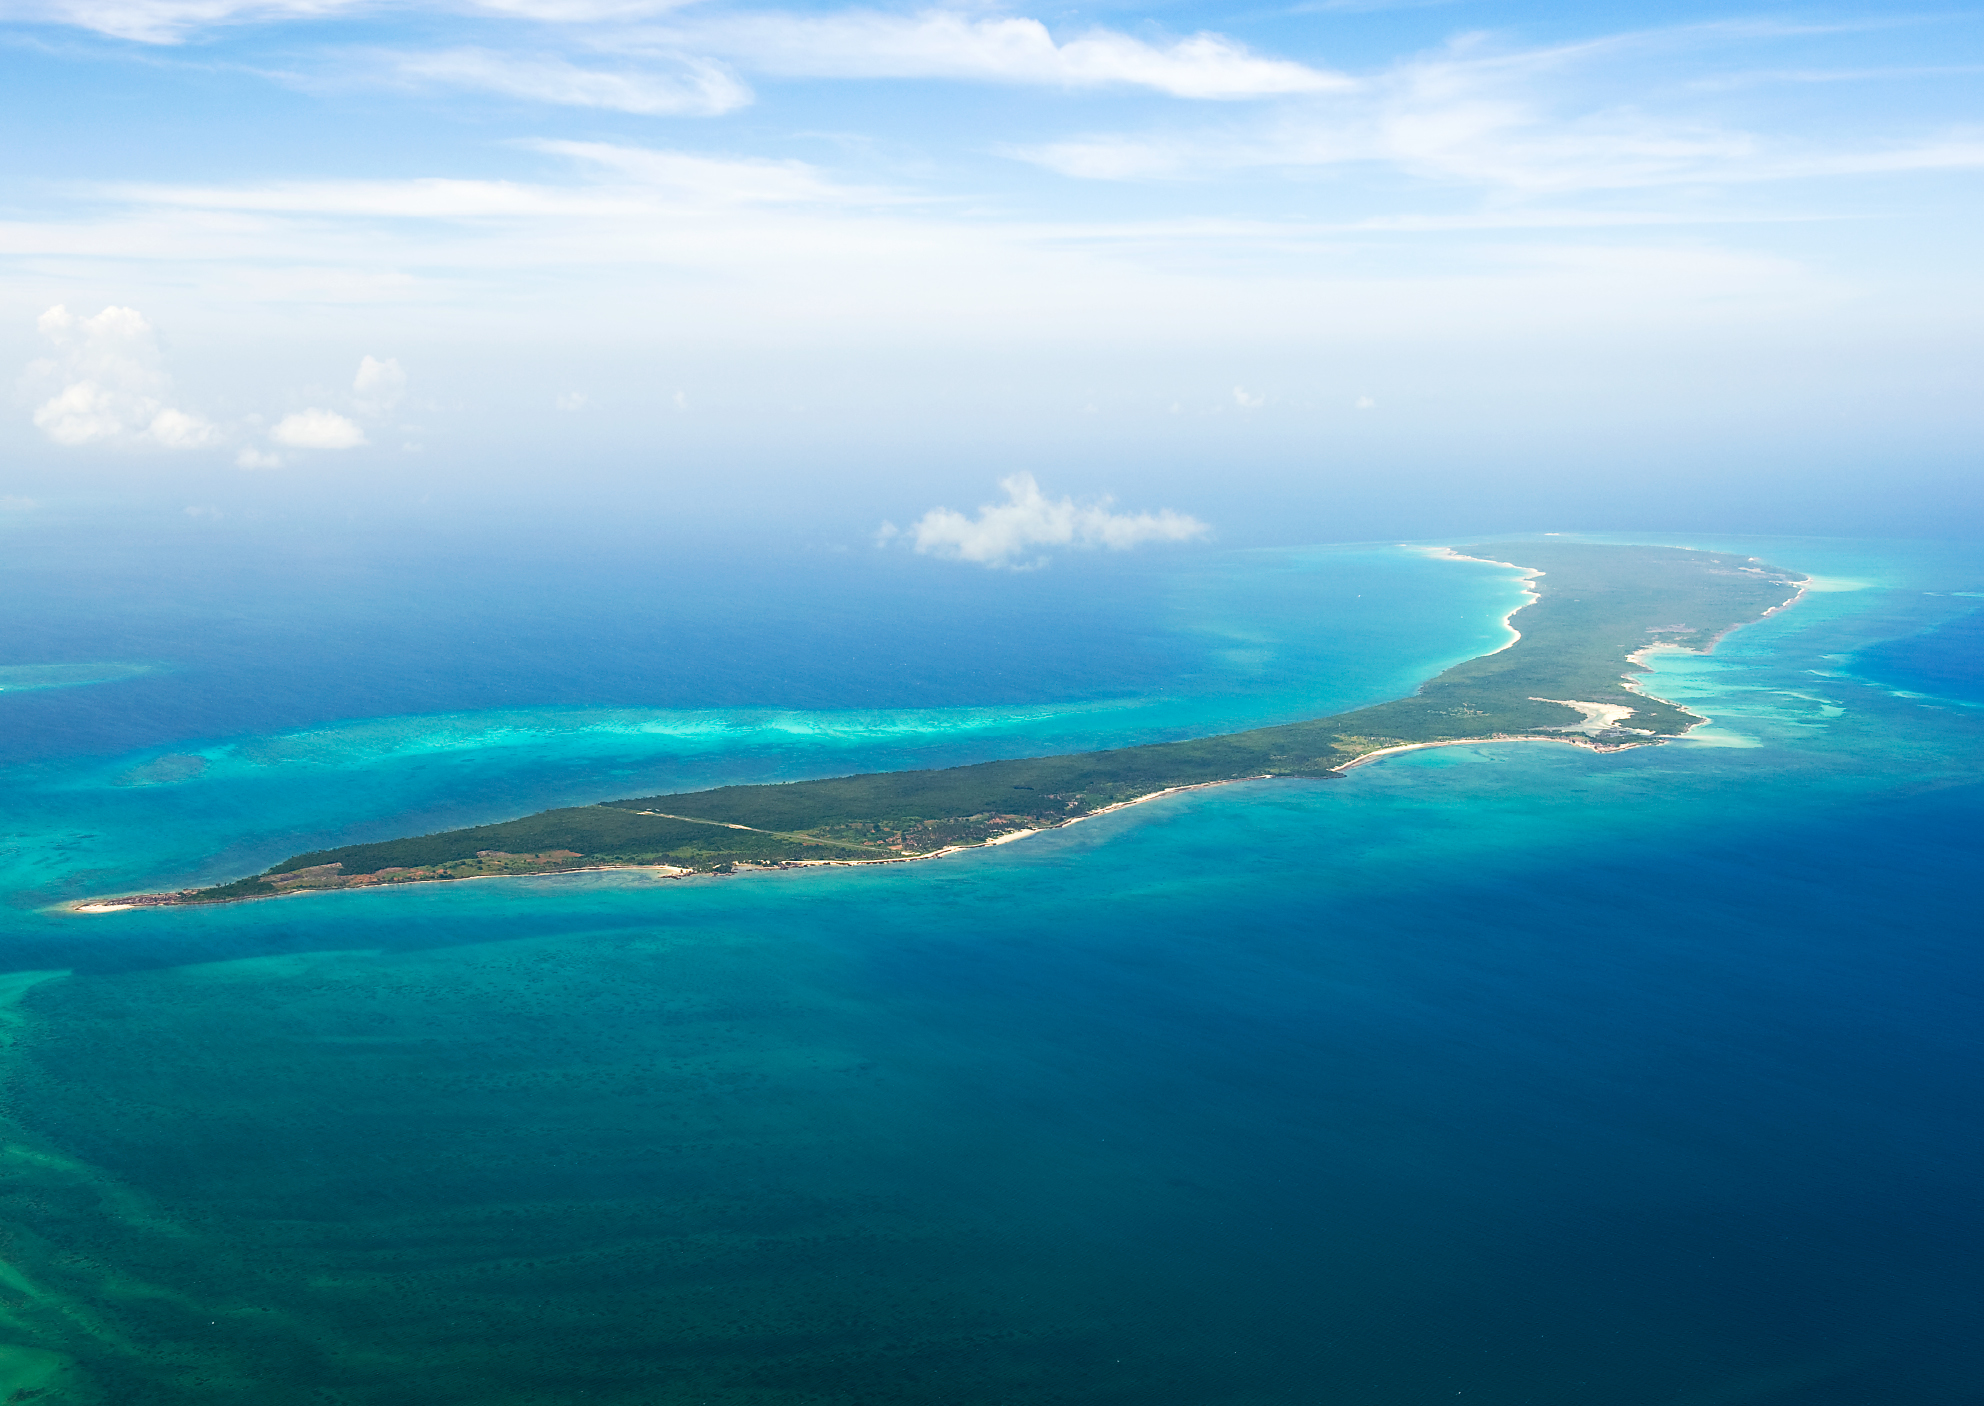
[1502,1075]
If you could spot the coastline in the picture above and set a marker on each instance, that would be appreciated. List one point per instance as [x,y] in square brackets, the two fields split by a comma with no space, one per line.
[95,906]
[785,834]
[1527,574]
[1639,656]
[1588,745]
[1631,682]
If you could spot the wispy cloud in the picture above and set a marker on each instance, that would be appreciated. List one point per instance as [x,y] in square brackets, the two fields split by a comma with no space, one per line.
[751,243]
[1757,78]
[1360,7]
[170,21]
[1509,120]
[587,12]
[948,44]
[715,180]
[679,87]
[174,21]
[629,182]
[1013,532]
[685,75]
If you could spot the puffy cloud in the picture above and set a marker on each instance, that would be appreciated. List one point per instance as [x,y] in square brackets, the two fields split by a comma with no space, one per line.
[109,384]
[82,412]
[946,44]
[317,429]
[573,401]
[109,387]
[379,384]
[1249,400]
[1028,520]
[176,429]
[688,87]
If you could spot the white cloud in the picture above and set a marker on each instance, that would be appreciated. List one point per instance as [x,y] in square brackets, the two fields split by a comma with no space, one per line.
[677,175]
[630,184]
[694,87]
[169,21]
[176,429]
[937,43]
[251,458]
[379,384]
[643,239]
[579,11]
[1519,122]
[1028,520]
[109,384]
[946,44]
[646,238]
[549,207]
[573,401]
[83,412]
[1116,158]
[317,429]
[1249,400]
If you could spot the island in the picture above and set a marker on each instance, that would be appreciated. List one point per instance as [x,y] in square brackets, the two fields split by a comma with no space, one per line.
[1569,676]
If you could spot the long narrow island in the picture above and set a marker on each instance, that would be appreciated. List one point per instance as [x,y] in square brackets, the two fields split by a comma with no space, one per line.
[1568,677]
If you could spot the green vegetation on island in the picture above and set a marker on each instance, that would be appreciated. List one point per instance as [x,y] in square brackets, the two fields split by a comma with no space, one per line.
[1567,678]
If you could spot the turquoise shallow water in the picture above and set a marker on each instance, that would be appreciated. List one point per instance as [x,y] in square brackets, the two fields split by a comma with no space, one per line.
[1250,638]
[1497,1073]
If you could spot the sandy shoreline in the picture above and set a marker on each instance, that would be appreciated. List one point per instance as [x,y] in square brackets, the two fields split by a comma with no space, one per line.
[1528,574]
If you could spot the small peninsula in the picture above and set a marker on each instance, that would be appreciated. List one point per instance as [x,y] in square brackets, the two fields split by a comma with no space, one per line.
[1568,677]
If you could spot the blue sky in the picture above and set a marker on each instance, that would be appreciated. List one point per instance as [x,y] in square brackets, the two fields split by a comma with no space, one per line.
[1299,272]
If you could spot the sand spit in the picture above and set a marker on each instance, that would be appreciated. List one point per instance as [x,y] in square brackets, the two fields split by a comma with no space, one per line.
[1590,745]
[1598,717]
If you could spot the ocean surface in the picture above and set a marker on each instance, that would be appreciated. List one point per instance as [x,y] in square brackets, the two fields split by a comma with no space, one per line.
[1506,1074]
